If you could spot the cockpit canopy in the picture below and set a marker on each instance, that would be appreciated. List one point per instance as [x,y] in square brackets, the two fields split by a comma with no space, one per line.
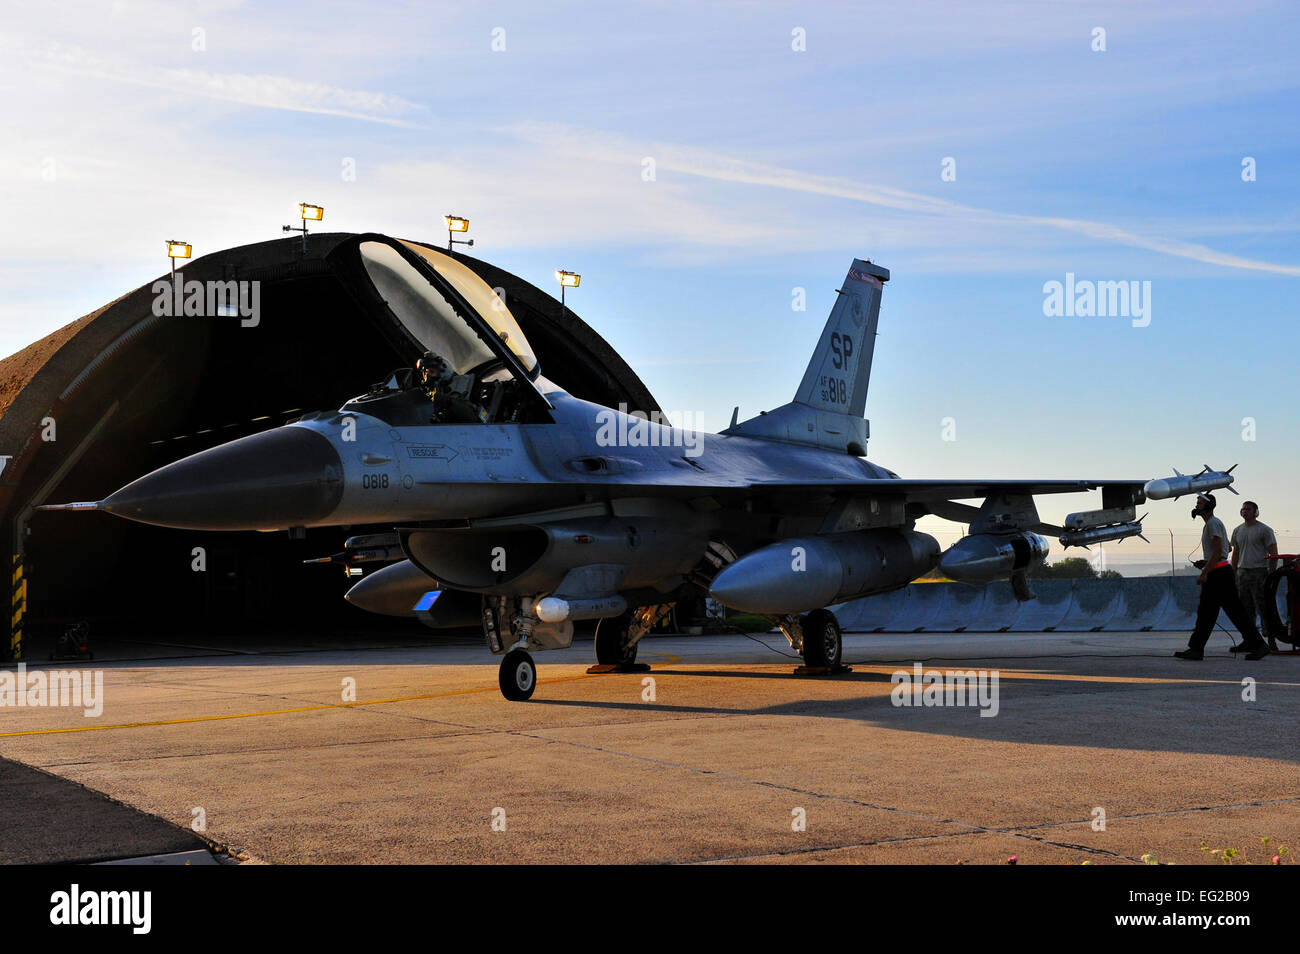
[431,317]
[489,371]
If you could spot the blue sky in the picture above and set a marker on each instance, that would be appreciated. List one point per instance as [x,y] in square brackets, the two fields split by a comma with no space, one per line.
[774,167]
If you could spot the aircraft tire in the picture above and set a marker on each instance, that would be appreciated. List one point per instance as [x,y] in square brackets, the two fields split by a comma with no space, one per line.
[823,643]
[517,676]
[610,633]
[1269,615]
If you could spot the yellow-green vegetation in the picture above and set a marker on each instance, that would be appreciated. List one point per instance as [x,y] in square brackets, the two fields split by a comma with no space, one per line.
[748,622]
[1267,853]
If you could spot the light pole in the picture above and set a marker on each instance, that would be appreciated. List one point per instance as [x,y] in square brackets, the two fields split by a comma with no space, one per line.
[456,223]
[177,250]
[566,280]
[309,213]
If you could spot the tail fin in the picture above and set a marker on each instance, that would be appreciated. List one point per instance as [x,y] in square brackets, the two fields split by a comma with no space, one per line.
[840,369]
[827,410]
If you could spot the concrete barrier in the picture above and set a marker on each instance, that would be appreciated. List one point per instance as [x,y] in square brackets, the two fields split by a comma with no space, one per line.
[959,604]
[999,611]
[1045,613]
[1181,611]
[1143,604]
[874,615]
[1094,605]
[925,604]
[1124,605]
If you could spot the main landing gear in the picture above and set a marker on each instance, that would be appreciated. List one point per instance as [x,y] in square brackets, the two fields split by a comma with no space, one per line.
[617,638]
[816,637]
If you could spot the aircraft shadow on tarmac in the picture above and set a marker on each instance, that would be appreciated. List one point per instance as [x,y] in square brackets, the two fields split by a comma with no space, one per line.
[1187,708]
[1187,712]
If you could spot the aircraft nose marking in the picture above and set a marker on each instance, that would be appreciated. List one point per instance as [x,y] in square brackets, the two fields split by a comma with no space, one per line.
[431,452]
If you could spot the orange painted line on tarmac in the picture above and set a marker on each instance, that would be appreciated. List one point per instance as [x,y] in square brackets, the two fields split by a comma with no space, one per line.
[668,661]
[1030,674]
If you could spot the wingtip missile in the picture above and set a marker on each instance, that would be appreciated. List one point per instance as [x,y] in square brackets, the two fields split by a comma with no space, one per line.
[76,505]
[1119,531]
[1162,488]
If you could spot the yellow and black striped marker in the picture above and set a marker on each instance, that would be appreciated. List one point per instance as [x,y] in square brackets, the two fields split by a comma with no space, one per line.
[19,607]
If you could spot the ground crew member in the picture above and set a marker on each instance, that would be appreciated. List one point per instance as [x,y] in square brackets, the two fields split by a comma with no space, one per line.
[1254,554]
[1218,589]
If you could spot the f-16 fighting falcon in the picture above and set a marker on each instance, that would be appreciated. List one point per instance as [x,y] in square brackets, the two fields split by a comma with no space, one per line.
[512,503]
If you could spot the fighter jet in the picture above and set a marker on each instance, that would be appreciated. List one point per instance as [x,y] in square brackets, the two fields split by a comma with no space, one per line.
[517,505]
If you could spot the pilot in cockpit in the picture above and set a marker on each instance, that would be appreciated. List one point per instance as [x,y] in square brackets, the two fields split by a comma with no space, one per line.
[448,391]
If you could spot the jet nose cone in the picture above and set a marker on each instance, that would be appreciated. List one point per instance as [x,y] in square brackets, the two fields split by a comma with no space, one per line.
[288,476]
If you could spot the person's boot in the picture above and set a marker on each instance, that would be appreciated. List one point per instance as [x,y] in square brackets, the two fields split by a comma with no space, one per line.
[1195,655]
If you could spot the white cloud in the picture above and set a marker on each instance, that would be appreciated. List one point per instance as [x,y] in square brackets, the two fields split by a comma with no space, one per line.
[262,90]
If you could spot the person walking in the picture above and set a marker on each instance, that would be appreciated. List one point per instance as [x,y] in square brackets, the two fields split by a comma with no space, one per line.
[1218,589]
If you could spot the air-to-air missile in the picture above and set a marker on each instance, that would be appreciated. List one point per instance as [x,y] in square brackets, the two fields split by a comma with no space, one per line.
[365,548]
[1118,531]
[1182,484]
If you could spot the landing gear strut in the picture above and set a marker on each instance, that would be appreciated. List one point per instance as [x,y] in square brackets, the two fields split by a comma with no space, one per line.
[612,647]
[818,639]
[518,676]
[823,644]
[617,638]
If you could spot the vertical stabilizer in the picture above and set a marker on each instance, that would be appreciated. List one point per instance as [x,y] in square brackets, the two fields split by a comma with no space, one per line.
[827,410]
[840,369]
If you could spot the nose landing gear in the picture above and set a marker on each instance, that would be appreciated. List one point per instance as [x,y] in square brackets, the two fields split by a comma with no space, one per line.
[517,676]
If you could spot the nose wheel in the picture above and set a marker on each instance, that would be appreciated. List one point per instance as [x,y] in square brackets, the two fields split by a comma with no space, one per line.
[518,676]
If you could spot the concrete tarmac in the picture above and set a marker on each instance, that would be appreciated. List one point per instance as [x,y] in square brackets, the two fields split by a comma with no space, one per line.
[719,759]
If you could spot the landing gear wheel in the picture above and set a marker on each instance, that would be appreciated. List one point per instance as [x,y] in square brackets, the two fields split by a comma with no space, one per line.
[611,641]
[518,676]
[823,644]
[1273,625]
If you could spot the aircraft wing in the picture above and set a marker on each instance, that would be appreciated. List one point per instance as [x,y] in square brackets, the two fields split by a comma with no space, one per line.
[940,489]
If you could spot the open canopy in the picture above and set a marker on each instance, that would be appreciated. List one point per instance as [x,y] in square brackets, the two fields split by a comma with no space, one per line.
[427,305]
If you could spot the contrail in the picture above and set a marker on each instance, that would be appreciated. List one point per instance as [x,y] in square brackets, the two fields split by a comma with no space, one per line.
[708,165]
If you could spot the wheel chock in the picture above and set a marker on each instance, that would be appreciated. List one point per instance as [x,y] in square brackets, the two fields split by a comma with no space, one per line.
[837,670]
[601,669]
